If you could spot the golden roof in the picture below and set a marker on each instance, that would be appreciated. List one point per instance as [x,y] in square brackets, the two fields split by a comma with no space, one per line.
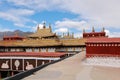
[32,43]
[73,42]
[44,42]
[44,32]
[40,41]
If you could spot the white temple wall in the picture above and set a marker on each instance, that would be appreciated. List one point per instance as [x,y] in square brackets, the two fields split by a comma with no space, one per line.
[70,49]
[13,50]
[43,50]
[78,49]
[51,49]
[28,50]
[36,50]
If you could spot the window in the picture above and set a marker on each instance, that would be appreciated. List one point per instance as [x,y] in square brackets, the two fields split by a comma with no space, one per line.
[115,44]
[112,44]
[118,44]
[103,44]
[91,44]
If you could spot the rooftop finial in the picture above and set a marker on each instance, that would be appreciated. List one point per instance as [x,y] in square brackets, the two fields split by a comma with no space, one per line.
[63,34]
[93,30]
[50,27]
[44,25]
[103,30]
[38,27]
[72,35]
[68,33]
[83,30]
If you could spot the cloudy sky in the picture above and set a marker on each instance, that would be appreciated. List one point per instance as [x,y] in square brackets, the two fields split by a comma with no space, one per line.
[63,15]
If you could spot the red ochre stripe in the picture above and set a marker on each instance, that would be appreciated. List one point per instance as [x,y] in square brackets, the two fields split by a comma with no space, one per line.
[32,54]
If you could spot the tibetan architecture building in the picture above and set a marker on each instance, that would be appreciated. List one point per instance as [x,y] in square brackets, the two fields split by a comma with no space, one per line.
[98,44]
[103,47]
[43,40]
[18,54]
[94,34]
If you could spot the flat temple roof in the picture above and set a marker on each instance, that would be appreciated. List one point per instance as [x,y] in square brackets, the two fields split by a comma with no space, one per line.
[103,40]
[73,69]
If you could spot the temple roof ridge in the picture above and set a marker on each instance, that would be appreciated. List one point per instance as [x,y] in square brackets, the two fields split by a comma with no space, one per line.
[43,32]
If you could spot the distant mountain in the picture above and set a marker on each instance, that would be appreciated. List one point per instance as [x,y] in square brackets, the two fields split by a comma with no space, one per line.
[12,33]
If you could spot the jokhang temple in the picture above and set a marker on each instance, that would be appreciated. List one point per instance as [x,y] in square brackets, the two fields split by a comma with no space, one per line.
[98,44]
[43,40]
[18,54]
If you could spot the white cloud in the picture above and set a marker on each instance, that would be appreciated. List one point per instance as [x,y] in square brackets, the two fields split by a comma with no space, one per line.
[78,35]
[8,16]
[97,12]
[72,24]
[17,16]
[104,13]
[21,12]
[107,32]
[61,30]
[112,34]
[37,5]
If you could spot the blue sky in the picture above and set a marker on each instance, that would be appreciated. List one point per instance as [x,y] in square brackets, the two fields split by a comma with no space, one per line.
[63,15]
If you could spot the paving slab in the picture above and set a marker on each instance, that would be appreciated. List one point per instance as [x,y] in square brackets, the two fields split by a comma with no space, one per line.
[73,69]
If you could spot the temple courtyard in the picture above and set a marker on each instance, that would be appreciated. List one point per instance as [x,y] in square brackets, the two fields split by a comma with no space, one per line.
[79,68]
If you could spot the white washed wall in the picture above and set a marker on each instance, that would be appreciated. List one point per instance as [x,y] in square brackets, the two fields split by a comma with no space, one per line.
[12,50]
[43,49]
[36,50]
[78,49]
[51,49]
[17,50]
[28,50]
[70,49]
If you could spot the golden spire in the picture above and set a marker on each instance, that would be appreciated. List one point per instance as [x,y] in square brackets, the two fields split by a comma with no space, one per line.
[63,34]
[72,35]
[83,30]
[103,30]
[68,33]
[93,30]
[38,27]
[50,27]
[44,25]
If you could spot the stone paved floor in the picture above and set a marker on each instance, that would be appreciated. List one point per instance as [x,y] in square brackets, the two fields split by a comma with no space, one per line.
[73,69]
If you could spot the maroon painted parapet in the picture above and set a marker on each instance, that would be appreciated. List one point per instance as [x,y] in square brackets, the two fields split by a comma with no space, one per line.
[103,47]
[9,38]
[94,34]
[101,55]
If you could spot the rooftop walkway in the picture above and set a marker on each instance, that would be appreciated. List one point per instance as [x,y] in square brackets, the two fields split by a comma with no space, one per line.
[73,69]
